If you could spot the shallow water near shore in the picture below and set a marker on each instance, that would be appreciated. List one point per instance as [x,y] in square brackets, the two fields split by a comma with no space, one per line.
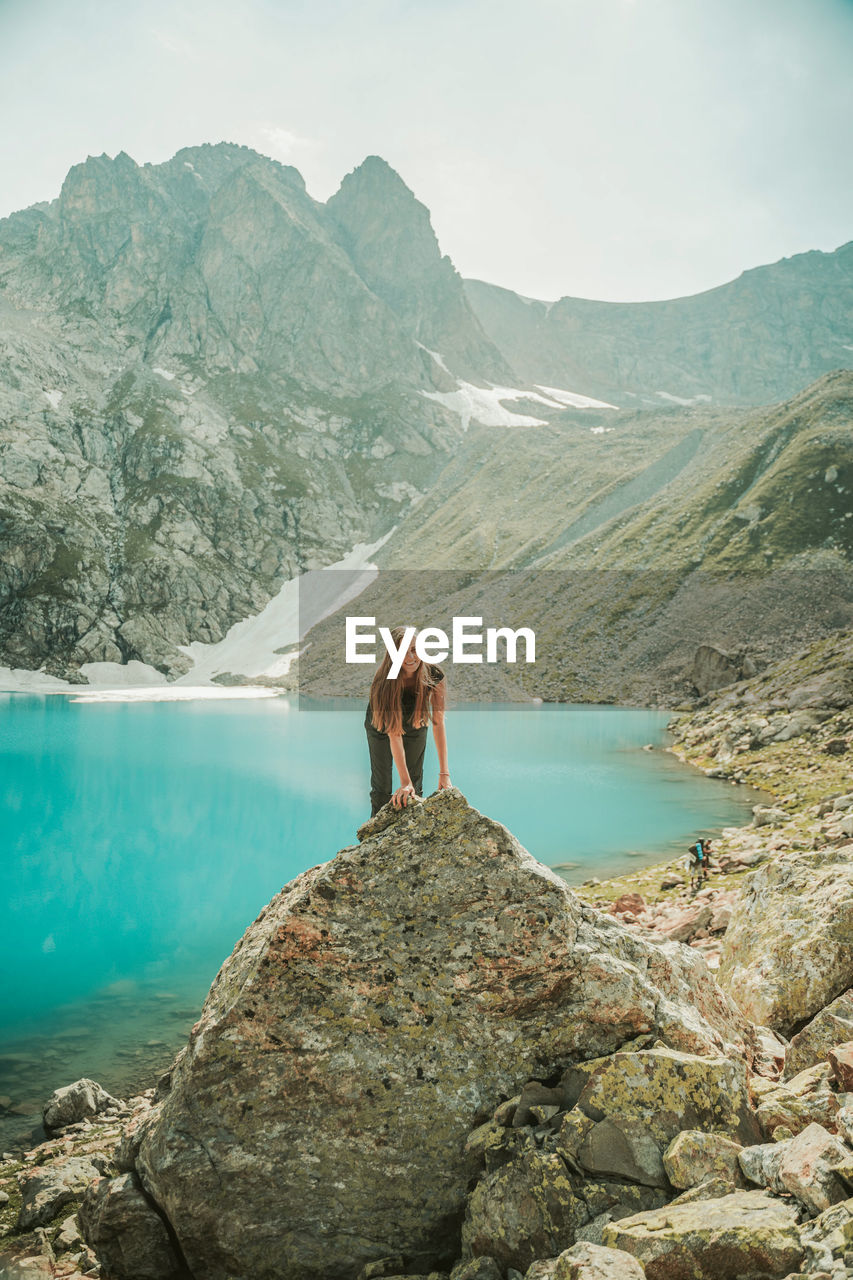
[141,839]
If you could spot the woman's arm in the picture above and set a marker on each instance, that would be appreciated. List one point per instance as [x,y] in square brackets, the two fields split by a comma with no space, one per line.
[440,734]
[398,755]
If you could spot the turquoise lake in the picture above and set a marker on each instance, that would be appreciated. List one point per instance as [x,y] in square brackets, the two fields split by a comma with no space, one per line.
[140,840]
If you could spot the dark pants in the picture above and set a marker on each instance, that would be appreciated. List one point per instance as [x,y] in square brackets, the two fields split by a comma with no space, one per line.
[381,761]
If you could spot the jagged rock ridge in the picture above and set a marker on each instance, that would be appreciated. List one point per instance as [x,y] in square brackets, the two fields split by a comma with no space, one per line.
[203,395]
[759,338]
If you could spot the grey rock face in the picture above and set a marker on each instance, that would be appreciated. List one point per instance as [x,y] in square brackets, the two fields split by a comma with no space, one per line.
[760,1164]
[623,1148]
[387,234]
[713,669]
[200,396]
[128,1237]
[831,1026]
[810,1167]
[46,1190]
[695,1157]
[380,1008]
[670,1091]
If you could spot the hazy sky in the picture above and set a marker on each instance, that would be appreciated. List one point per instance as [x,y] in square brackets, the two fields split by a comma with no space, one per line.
[619,149]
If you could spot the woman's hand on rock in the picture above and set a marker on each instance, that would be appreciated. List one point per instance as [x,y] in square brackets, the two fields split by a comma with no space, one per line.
[444,781]
[402,796]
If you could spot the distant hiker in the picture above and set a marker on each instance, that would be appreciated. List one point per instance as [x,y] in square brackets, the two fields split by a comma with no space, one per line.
[398,716]
[706,861]
[698,862]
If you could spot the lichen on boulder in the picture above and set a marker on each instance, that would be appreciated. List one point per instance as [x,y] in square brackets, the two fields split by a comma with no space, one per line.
[807,1098]
[748,1235]
[788,950]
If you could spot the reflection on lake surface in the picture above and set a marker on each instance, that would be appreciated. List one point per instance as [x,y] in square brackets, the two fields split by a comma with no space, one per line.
[140,841]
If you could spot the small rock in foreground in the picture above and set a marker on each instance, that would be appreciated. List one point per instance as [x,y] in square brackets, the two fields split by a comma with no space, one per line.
[75,1102]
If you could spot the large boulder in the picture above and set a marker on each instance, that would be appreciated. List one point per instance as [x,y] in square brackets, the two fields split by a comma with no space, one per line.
[632,1105]
[788,950]
[714,669]
[527,1210]
[695,1156]
[533,1208]
[828,1240]
[761,1163]
[379,1009]
[813,1168]
[841,1060]
[668,1091]
[622,1147]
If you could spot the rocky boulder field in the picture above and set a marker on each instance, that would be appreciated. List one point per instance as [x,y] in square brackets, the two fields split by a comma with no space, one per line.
[430,1057]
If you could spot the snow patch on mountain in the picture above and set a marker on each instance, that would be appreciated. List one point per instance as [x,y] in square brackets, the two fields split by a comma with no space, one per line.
[485,404]
[174,693]
[253,647]
[436,357]
[700,399]
[574,399]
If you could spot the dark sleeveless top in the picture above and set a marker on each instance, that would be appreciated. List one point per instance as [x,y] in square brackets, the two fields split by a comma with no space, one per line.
[407,706]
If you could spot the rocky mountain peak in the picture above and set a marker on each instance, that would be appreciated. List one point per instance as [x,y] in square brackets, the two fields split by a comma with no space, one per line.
[375,171]
[98,179]
[388,235]
[210,165]
[384,228]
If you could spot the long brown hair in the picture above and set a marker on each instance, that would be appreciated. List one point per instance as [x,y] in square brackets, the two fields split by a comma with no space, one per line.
[386,696]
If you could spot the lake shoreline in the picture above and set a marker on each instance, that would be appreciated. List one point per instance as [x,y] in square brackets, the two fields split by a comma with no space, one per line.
[138,1009]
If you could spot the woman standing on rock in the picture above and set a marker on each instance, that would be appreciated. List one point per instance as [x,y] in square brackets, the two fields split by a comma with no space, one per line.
[397,723]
